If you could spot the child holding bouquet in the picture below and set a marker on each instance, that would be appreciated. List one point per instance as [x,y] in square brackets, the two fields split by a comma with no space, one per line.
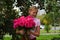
[36,31]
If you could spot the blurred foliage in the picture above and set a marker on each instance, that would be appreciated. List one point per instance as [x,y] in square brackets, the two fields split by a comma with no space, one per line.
[7,15]
[53,8]
[48,19]
[47,28]
[52,13]
[27,3]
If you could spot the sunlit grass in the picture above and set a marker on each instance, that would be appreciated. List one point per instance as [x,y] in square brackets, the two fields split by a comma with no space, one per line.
[47,37]
[51,31]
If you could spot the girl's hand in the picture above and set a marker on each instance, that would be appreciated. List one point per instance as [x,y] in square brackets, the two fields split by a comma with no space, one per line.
[37,31]
[20,31]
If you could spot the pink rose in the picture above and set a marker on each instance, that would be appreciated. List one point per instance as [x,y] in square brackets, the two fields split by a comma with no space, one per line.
[22,21]
[15,25]
[19,22]
[29,23]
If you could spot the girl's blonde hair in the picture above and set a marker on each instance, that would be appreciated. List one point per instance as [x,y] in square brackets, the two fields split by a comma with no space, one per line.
[33,8]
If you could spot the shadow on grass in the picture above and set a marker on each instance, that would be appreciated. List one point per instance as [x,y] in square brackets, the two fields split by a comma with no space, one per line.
[56,38]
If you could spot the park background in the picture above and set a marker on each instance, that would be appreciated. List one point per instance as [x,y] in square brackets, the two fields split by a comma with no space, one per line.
[48,13]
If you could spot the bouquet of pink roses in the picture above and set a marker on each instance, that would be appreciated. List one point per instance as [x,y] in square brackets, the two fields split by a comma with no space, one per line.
[25,23]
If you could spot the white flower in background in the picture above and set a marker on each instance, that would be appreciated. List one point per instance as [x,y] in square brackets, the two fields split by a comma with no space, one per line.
[17,9]
[41,12]
[20,13]
[35,4]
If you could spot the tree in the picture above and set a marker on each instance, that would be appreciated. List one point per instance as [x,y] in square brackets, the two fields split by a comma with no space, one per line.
[53,9]
[53,13]
[7,15]
[47,28]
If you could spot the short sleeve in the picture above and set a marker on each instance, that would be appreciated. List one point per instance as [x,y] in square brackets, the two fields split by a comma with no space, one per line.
[38,22]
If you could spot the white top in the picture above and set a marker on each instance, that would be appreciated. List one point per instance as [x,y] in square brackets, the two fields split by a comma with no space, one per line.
[37,21]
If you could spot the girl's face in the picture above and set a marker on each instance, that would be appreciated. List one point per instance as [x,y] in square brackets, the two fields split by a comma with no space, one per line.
[33,13]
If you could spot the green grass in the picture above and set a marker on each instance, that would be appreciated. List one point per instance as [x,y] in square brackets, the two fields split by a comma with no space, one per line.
[51,31]
[47,37]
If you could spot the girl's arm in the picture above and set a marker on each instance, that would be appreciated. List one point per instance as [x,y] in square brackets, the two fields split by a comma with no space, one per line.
[37,31]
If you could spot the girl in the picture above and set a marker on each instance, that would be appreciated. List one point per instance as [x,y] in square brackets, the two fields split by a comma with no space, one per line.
[36,32]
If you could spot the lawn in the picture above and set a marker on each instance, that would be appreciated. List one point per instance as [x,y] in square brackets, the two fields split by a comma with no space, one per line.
[51,31]
[48,37]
